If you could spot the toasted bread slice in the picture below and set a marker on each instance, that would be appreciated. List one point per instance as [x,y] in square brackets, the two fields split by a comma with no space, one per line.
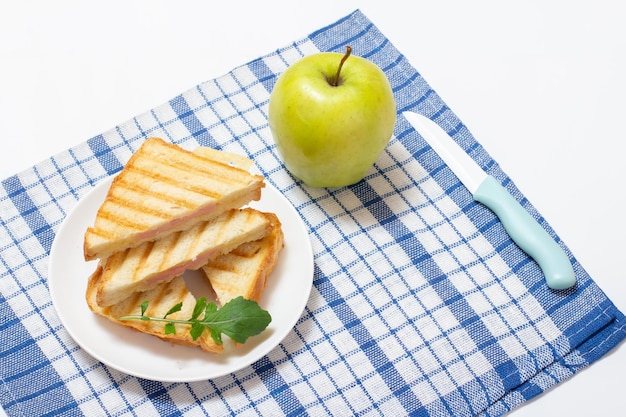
[244,270]
[144,267]
[163,189]
[161,299]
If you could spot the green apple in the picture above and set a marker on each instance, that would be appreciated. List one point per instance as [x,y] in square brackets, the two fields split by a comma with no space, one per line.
[331,115]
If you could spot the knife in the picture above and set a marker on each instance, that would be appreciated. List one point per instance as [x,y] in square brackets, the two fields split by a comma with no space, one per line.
[519,224]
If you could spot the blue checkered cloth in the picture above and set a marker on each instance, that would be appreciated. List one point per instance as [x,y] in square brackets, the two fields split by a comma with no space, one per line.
[421,303]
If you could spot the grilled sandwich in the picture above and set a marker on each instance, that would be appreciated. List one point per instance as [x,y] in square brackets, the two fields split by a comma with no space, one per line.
[161,299]
[244,270]
[143,267]
[171,210]
[164,189]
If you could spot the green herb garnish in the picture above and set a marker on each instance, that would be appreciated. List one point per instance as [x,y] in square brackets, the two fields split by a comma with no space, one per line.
[238,319]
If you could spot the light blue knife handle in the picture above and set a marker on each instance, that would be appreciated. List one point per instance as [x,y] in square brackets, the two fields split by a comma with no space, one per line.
[527,233]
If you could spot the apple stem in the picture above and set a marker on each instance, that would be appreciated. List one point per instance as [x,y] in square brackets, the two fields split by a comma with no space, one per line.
[343,59]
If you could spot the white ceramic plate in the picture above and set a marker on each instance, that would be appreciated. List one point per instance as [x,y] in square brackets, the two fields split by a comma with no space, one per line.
[146,356]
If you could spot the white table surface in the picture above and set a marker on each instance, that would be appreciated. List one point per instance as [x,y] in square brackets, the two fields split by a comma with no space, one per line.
[553,69]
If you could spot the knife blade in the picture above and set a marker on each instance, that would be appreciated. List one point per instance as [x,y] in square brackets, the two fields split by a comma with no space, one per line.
[523,229]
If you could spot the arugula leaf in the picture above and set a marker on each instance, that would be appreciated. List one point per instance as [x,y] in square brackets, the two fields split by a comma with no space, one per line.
[196,330]
[174,309]
[210,308]
[170,328]
[239,319]
[199,308]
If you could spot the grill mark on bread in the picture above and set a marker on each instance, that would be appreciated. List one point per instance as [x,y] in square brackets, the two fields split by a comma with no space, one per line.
[157,307]
[188,161]
[131,301]
[224,225]
[197,238]
[109,213]
[224,173]
[142,260]
[109,216]
[174,180]
[163,196]
[224,266]
[245,251]
[129,205]
[172,241]
[166,292]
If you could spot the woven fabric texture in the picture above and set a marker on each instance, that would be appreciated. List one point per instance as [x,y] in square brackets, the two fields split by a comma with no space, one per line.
[421,304]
